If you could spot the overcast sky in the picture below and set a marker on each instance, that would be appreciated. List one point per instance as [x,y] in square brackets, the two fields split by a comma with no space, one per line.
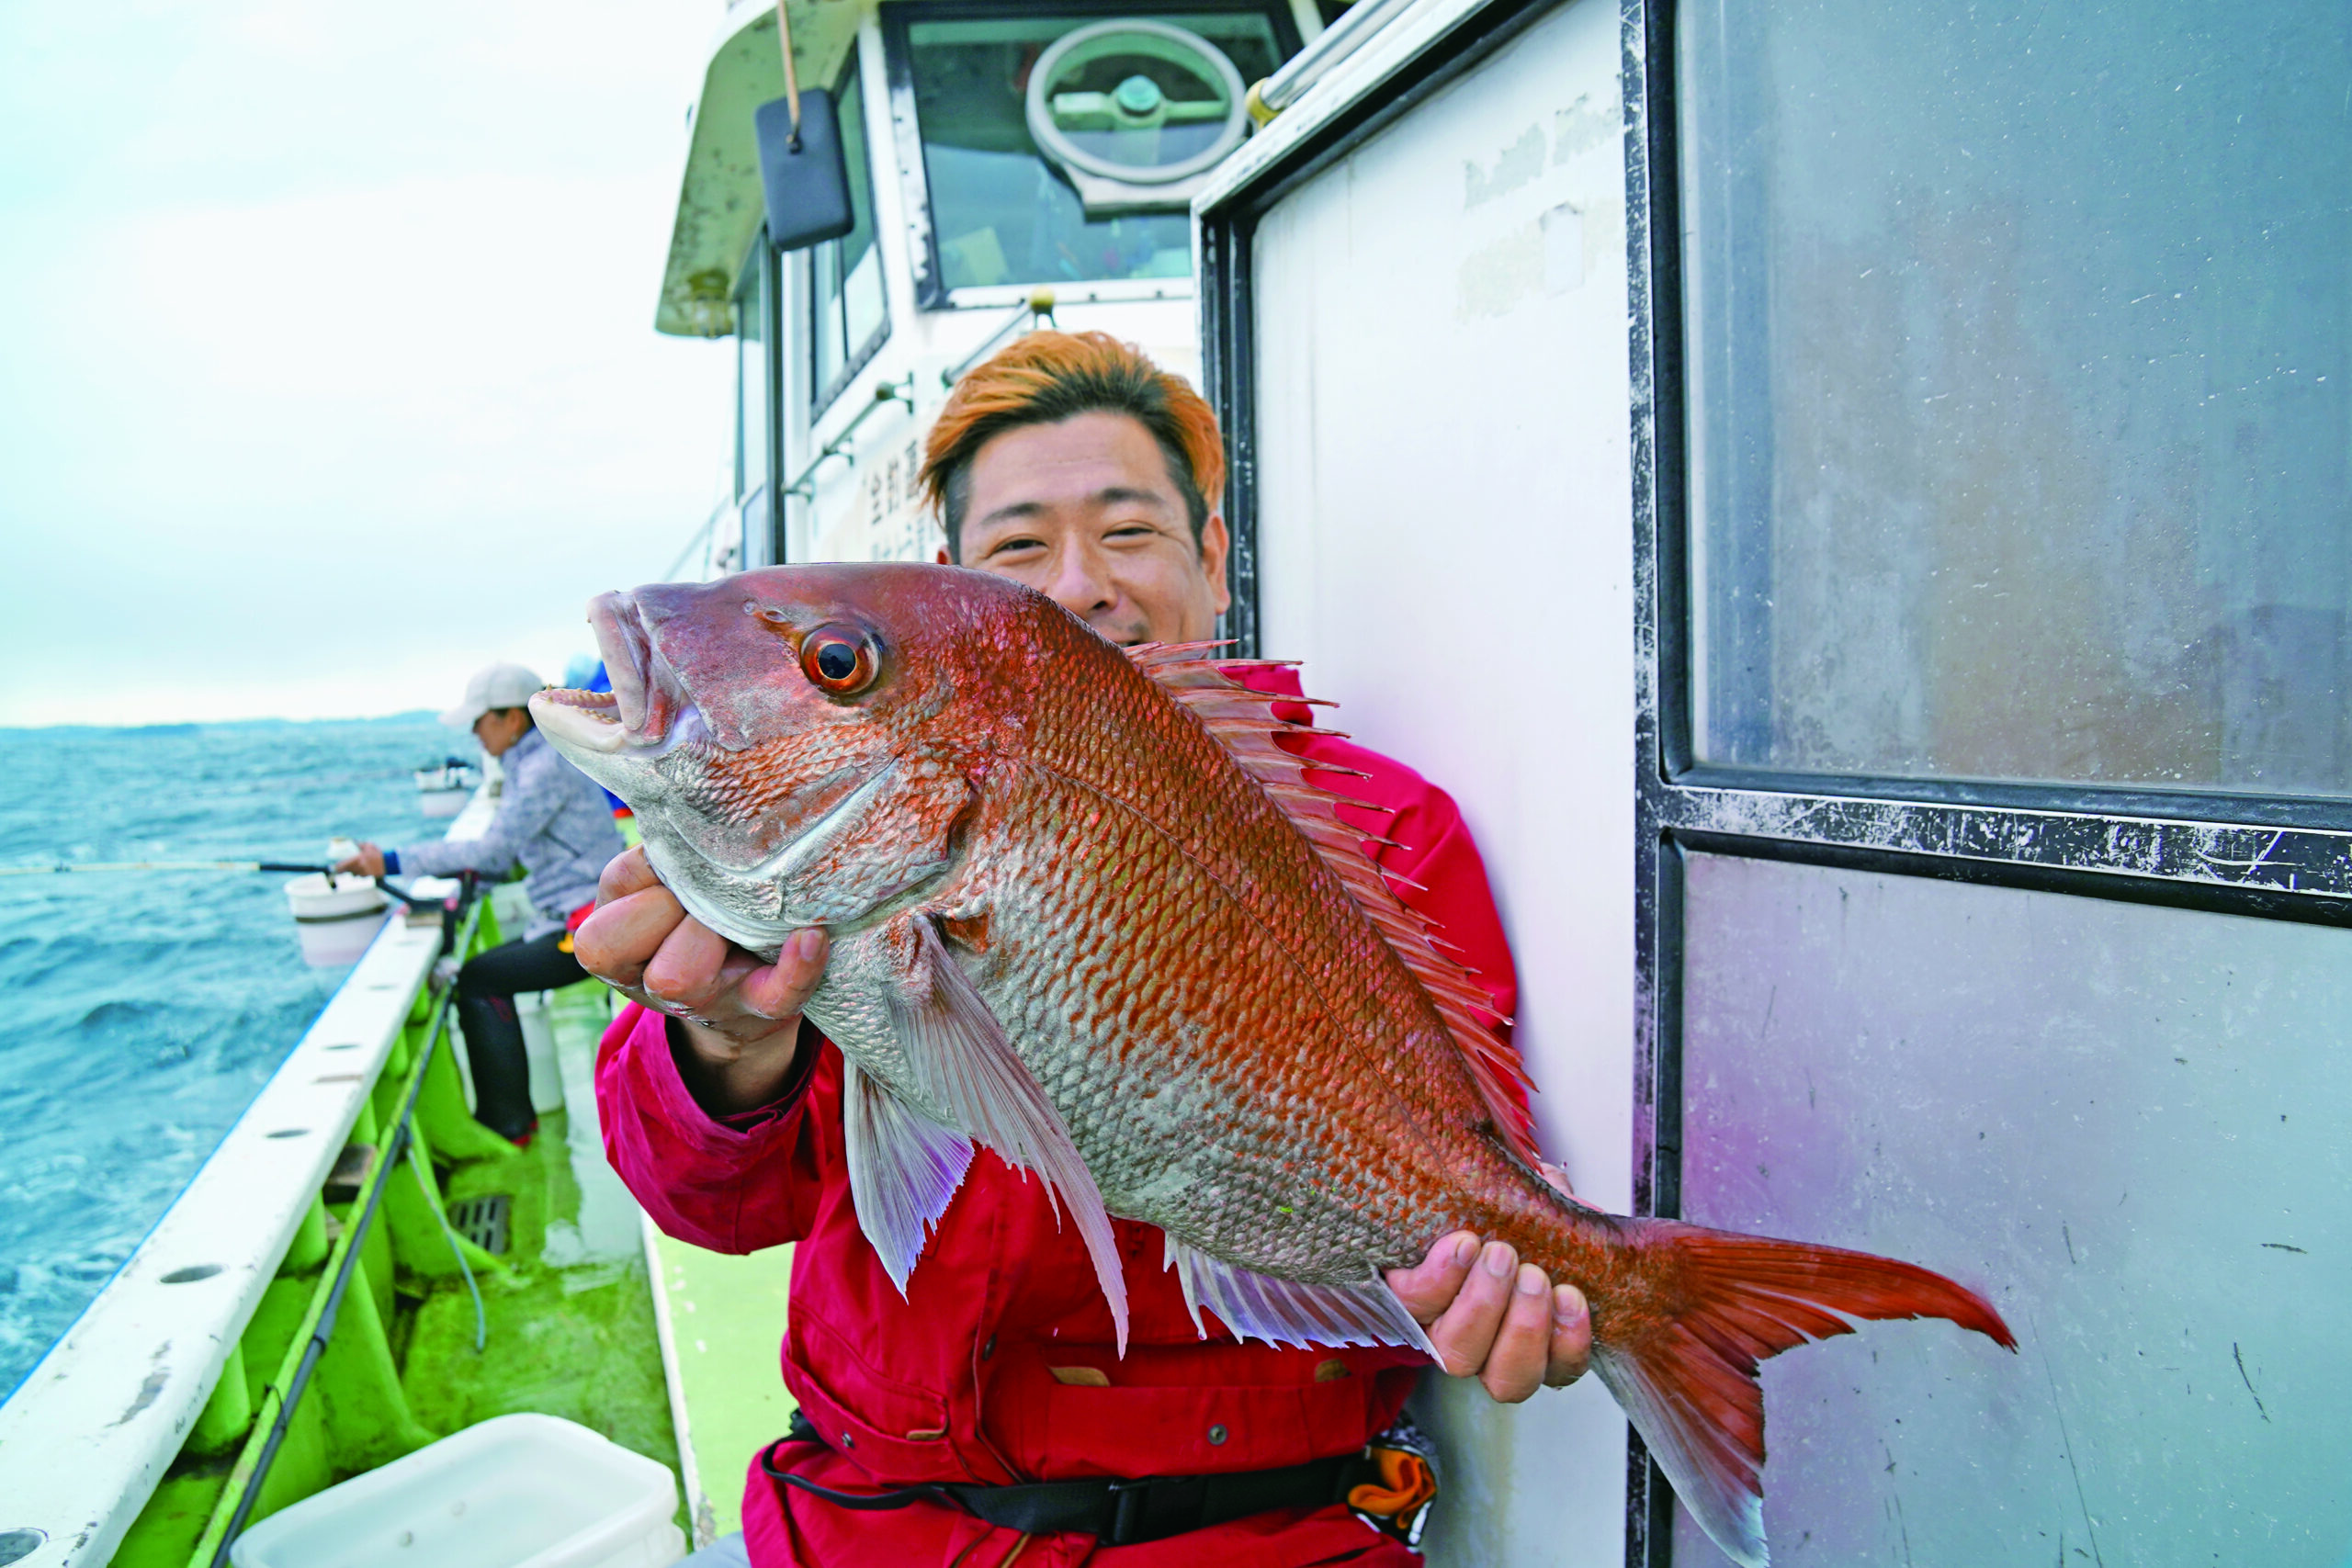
[327,366]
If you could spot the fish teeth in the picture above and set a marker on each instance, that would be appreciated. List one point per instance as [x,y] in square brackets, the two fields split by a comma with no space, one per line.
[567,725]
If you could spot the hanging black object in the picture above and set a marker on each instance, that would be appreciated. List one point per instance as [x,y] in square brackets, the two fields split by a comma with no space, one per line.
[802,171]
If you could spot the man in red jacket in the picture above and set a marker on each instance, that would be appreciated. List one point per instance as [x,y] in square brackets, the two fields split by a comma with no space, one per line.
[929,1423]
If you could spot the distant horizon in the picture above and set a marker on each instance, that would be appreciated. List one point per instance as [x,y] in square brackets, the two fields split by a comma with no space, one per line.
[251,722]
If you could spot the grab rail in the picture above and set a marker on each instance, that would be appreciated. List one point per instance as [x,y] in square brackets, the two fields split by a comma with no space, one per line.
[1336,42]
[885,393]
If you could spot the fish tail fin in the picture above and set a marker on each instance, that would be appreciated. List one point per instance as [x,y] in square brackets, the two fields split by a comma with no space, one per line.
[1685,1375]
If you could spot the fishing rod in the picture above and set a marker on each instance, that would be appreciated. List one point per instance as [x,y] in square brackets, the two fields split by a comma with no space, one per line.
[59,868]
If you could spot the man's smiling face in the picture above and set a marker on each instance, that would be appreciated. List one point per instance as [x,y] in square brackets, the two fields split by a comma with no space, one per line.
[1086,512]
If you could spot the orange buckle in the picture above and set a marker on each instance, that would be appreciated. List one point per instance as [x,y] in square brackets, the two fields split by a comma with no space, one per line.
[1397,1504]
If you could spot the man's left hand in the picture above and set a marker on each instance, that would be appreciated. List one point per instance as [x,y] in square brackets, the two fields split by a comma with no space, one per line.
[1495,1318]
[368,861]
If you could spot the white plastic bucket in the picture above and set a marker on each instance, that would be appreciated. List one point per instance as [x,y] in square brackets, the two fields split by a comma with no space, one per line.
[515,1492]
[335,918]
[531,1011]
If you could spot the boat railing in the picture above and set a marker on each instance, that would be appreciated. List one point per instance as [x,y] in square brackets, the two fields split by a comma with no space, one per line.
[843,445]
[269,1422]
[252,1262]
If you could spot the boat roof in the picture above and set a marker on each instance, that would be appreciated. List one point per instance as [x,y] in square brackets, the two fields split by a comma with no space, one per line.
[720,203]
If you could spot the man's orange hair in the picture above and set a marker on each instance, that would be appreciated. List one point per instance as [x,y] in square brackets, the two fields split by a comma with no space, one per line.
[1048,377]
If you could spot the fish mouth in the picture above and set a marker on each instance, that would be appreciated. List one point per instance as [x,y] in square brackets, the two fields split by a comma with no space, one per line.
[627,653]
[591,721]
[647,713]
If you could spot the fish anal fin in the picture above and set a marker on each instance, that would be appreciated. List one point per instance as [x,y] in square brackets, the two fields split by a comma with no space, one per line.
[1688,1382]
[904,1169]
[964,1065]
[1288,1311]
[1246,723]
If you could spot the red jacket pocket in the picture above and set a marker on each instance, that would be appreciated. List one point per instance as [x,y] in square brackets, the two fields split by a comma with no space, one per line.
[895,1430]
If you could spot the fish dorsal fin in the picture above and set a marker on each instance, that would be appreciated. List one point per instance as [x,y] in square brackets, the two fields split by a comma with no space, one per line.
[1245,722]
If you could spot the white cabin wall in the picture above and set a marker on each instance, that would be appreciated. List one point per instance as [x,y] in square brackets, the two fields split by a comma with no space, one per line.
[1446,540]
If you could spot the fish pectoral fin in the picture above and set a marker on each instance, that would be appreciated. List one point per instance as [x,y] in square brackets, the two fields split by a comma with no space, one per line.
[1290,1311]
[962,1063]
[904,1169]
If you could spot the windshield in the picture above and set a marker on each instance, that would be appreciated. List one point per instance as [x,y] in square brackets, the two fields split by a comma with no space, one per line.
[1003,213]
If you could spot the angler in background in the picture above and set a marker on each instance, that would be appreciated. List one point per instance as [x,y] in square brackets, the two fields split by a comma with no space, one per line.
[558,825]
[1073,464]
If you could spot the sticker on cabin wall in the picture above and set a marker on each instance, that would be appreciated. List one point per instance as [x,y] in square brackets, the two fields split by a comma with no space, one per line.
[899,525]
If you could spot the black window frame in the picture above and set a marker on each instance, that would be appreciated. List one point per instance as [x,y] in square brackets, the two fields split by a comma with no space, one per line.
[914,176]
[854,357]
[2271,857]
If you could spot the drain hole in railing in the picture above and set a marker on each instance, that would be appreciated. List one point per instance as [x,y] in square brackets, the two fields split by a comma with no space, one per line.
[17,1543]
[191,1274]
[344,1046]
[288,1132]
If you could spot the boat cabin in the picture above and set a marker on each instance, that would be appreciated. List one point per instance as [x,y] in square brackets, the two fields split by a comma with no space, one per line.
[1007,164]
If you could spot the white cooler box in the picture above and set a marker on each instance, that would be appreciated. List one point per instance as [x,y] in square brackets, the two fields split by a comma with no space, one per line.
[515,1491]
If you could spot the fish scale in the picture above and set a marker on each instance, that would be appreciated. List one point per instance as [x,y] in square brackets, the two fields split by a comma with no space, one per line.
[1230,1165]
[1086,911]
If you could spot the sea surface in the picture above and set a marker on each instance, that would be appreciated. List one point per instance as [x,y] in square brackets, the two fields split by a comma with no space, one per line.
[150,1007]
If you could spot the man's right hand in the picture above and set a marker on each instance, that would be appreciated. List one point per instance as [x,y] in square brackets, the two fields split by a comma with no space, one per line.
[740,1017]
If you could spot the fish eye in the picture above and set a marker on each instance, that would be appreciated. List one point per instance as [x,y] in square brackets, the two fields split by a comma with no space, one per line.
[838,660]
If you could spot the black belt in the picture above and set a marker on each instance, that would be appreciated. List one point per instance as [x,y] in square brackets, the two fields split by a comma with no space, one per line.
[1116,1512]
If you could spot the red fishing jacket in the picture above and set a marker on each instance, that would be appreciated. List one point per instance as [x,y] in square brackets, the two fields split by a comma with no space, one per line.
[998,1365]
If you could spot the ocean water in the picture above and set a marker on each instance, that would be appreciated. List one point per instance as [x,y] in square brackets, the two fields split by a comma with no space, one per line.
[147,1009]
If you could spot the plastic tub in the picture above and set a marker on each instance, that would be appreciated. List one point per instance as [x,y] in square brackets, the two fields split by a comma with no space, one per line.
[515,1492]
[335,917]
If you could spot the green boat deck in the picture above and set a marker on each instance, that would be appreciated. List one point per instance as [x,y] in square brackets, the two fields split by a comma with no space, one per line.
[572,1323]
[726,1317]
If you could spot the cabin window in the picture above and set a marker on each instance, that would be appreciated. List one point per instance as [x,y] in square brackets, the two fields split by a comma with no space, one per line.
[754,296]
[848,319]
[2018,345]
[1003,213]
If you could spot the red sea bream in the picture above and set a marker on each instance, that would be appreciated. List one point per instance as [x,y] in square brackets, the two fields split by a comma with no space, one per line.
[1087,911]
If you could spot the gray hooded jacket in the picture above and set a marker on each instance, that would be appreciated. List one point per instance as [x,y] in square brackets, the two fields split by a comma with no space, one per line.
[552,817]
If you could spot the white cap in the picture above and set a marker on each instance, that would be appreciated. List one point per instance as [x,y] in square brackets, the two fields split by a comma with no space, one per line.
[499,686]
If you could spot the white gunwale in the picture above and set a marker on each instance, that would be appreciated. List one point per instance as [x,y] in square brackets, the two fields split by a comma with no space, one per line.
[88,1437]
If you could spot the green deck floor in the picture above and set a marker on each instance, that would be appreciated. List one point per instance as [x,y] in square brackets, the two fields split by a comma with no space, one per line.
[577,1342]
[571,1329]
[726,1314]
[727,1319]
